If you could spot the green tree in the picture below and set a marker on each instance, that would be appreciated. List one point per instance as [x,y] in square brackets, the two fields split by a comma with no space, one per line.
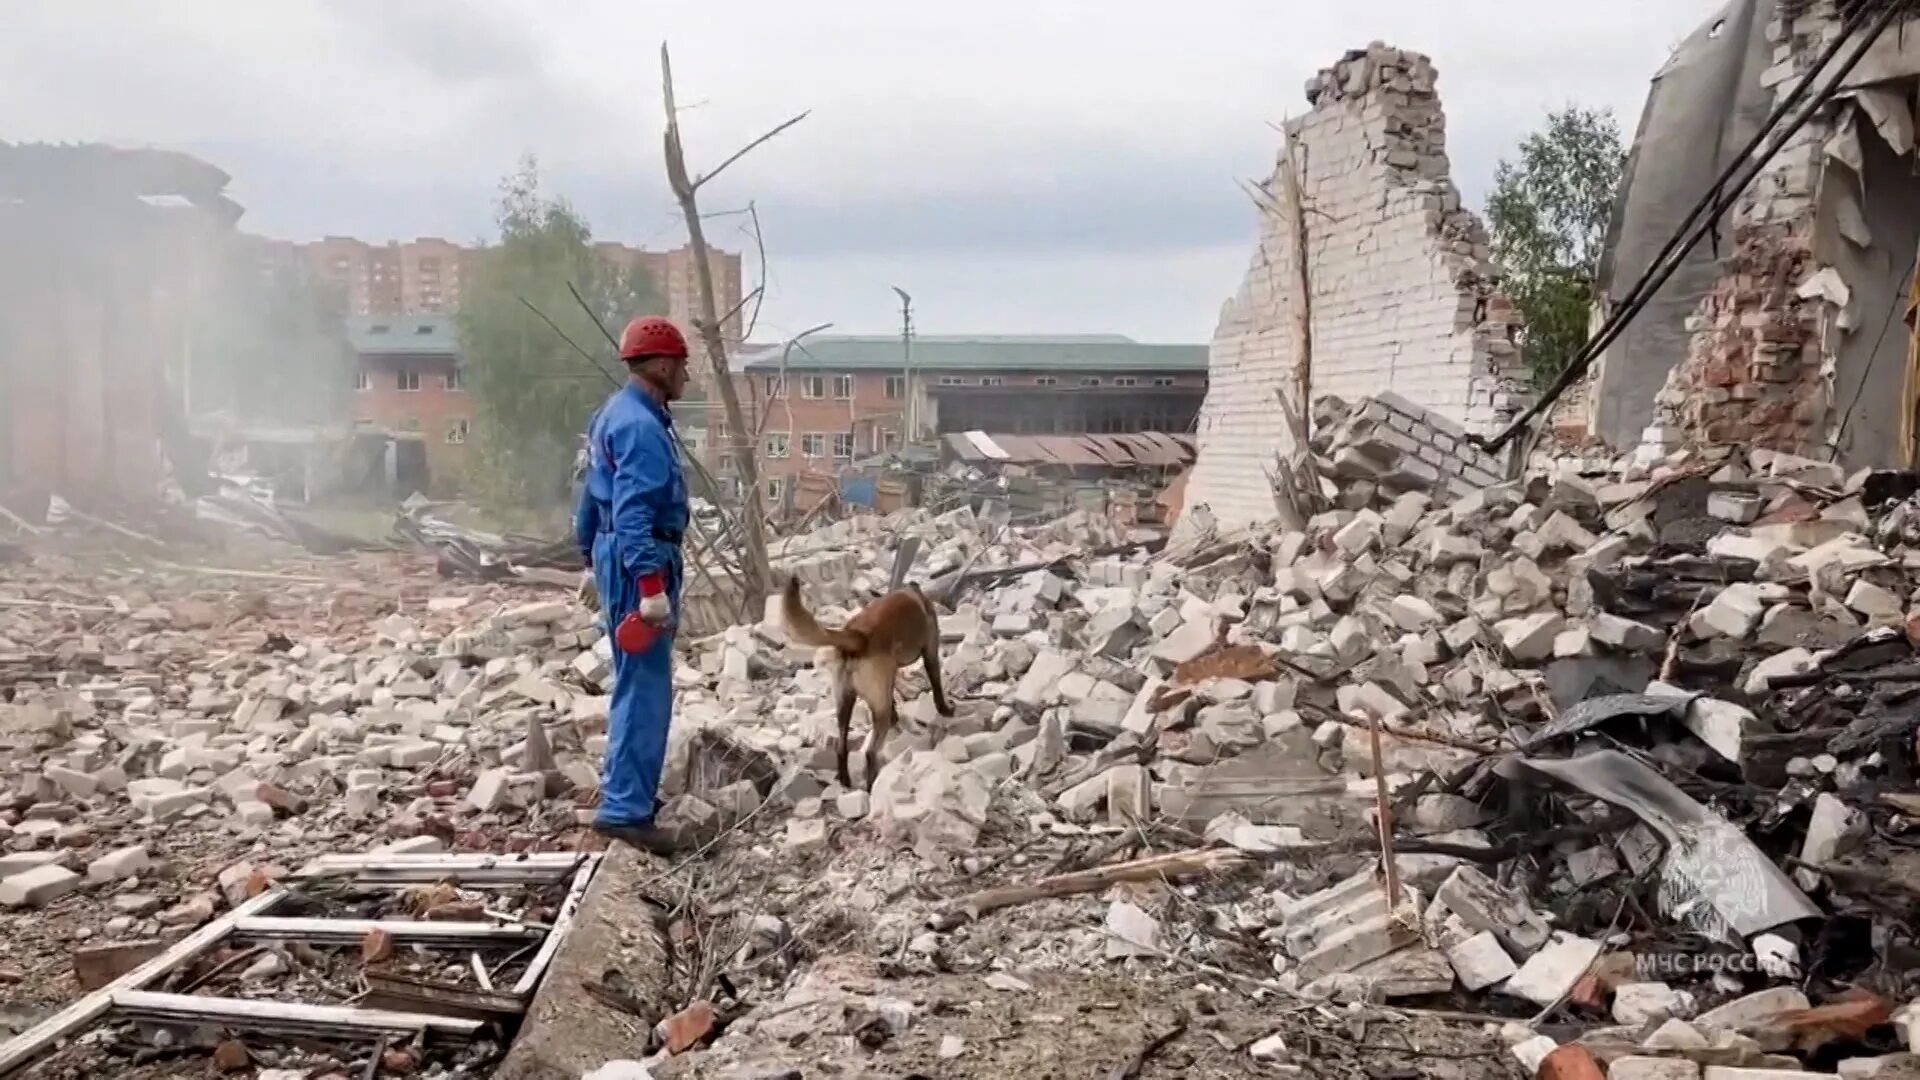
[1549,213]
[533,394]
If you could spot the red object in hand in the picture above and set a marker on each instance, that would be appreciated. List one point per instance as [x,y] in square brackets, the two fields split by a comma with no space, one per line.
[638,631]
[634,634]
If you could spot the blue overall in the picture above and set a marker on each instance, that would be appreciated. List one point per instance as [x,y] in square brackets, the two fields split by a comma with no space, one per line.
[630,521]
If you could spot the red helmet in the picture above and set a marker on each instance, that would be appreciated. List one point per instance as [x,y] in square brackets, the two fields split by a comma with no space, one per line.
[652,336]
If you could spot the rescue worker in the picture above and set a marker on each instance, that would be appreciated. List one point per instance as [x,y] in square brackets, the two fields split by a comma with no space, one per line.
[629,524]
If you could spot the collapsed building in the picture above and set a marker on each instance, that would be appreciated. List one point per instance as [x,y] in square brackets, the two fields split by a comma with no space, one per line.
[1785,329]
[99,250]
[1397,291]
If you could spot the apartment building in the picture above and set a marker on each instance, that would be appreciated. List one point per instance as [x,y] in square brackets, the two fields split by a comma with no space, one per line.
[840,399]
[426,276]
[409,386]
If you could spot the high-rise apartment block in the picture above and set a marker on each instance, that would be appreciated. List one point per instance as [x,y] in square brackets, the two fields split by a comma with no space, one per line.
[425,276]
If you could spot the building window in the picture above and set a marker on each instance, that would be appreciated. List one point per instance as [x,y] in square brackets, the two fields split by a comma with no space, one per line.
[813,444]
[1090,380]
[777,444]
[775,488]
[456,432]
[843,387]
[775,389]
[1125,380]
[363,379]
[408,379]
[896,387]
[813,387]
[456,379]
[1044,380]
[992,380]
[951,380]
[843,446]
[1163,380]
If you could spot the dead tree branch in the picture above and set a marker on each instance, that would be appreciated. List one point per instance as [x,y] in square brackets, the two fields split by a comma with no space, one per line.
[759,572]
[737,154]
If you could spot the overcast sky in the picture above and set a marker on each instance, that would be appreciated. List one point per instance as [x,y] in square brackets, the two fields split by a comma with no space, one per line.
[1017,165]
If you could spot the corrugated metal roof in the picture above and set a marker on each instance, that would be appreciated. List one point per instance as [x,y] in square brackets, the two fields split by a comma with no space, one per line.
[1074,451]
[404,335]
[1091,352]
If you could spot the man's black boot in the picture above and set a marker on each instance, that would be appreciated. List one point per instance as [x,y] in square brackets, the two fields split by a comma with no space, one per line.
[653,838]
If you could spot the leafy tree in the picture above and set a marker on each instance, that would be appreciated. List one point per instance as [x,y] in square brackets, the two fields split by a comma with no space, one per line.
[533,394]
[1549,214]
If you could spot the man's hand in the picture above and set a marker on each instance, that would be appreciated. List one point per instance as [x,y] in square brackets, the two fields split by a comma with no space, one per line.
[655,608]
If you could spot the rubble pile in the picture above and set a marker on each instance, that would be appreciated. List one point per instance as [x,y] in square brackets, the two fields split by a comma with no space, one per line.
[174,742]
[1644,738]
[1621,758]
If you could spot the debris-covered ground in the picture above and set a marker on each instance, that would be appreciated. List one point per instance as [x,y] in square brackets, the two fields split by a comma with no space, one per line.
[1643,738]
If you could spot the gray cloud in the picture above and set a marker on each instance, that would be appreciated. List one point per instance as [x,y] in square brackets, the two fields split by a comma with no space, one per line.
[1073,164]
[452,42]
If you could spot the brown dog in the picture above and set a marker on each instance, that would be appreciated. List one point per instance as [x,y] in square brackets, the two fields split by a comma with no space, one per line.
[886,635]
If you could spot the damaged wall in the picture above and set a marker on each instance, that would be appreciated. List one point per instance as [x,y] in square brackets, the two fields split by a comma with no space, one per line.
[1797,344]
[1703,107]
[100,252]
[1397,277]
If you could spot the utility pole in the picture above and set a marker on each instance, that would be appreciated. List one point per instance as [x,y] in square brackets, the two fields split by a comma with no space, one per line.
[906,354]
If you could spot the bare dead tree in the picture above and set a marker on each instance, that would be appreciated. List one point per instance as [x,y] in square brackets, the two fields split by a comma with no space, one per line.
[686,188]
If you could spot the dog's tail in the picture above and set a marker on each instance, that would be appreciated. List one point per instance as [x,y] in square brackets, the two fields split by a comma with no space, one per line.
[806,630]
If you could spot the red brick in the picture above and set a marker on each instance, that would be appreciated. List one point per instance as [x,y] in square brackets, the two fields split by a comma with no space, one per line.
[1571,1062]
[98,965]
[685,1029]
[231,1056]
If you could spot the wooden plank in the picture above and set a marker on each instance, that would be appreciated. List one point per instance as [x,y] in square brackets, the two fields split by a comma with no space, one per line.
[39,1039]
[569,908]
[385,991]
[288,1017]
[402,931]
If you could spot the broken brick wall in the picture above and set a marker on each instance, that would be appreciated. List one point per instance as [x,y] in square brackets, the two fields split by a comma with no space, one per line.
[100,267]
[1798,345]
[1398,280]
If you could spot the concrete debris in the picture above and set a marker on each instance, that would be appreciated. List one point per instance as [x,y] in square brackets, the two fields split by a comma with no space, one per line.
[1117,692]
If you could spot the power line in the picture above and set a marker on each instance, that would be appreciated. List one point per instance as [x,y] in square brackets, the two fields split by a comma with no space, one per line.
[1713,205]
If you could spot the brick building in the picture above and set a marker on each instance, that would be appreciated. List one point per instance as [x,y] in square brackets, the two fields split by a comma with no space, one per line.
[106,259]
[846,398]
[409,387]
[1398,293]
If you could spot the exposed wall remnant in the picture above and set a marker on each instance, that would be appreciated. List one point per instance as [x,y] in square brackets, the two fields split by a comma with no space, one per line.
[1399,283]
[1789,334]
[1704,106]
[1752,374]
[101,253]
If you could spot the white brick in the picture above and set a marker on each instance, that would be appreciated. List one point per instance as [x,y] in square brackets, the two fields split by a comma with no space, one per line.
[37,887]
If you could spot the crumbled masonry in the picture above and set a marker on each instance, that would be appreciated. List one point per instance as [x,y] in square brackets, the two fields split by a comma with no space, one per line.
[1205,707]
[1400,290]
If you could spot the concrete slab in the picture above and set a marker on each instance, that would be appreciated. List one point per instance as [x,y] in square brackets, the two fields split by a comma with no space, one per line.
[568,1031]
